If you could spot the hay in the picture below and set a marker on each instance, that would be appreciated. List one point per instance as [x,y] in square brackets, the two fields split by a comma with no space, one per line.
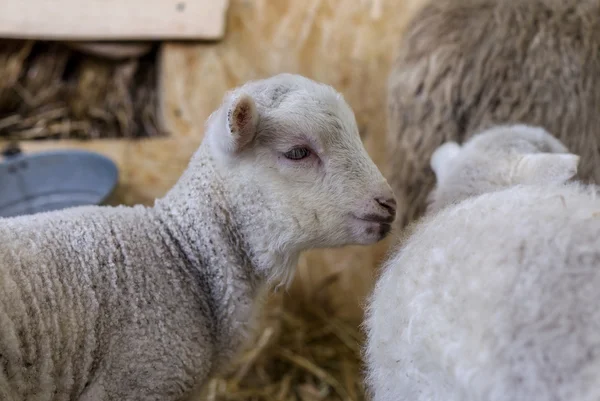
[303,353]
[48,91]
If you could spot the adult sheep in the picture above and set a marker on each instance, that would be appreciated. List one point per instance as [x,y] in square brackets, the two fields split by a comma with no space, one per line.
[145,303]
[466,65]
[494,294]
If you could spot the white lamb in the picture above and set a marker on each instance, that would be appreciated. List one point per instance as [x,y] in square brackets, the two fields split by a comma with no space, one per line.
[495,294]
[144,303]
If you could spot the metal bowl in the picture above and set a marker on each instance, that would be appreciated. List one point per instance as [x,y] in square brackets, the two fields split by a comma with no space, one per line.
[53,180]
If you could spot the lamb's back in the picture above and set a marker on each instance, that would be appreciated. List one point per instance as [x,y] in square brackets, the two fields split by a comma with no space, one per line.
[493,299]
[81,289]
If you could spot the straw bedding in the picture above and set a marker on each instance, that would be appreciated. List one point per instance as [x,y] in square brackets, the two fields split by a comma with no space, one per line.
[48,91]
[303,353]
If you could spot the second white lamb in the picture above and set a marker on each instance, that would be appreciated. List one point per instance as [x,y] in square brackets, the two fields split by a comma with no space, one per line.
[494,295]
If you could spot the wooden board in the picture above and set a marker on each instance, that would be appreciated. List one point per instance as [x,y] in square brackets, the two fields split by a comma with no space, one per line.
[113,19]
[349,44]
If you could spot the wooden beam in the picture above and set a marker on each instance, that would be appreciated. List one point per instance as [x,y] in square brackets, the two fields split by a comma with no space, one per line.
[113,19]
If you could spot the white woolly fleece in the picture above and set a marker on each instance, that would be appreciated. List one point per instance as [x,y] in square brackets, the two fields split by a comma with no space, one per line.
[492,296]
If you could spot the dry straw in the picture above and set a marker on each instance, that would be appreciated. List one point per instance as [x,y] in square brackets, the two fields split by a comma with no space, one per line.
[48,91]
[303,353]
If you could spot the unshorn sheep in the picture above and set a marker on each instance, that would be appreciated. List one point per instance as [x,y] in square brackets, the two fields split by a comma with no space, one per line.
[466,65]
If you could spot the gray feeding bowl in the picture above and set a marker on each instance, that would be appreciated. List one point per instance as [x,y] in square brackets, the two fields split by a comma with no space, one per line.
[53,180]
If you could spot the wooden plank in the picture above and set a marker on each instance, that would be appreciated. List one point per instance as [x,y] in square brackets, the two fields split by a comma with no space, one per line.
[113,19]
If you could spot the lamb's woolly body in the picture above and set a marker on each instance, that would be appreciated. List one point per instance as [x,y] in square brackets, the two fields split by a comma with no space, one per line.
[465,65]
[495,299]
[147,289]
[493,296]
[144,303]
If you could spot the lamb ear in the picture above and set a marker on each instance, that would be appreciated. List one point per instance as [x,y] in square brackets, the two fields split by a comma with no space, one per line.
[442,158]
[546,167]
[242,123]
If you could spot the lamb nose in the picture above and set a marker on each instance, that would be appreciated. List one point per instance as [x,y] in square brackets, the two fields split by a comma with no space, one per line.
[388,204]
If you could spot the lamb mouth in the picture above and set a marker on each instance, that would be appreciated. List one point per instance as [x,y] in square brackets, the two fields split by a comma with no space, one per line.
[375,218]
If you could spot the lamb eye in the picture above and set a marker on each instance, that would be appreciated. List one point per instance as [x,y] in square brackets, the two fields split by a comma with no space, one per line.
[297,153]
